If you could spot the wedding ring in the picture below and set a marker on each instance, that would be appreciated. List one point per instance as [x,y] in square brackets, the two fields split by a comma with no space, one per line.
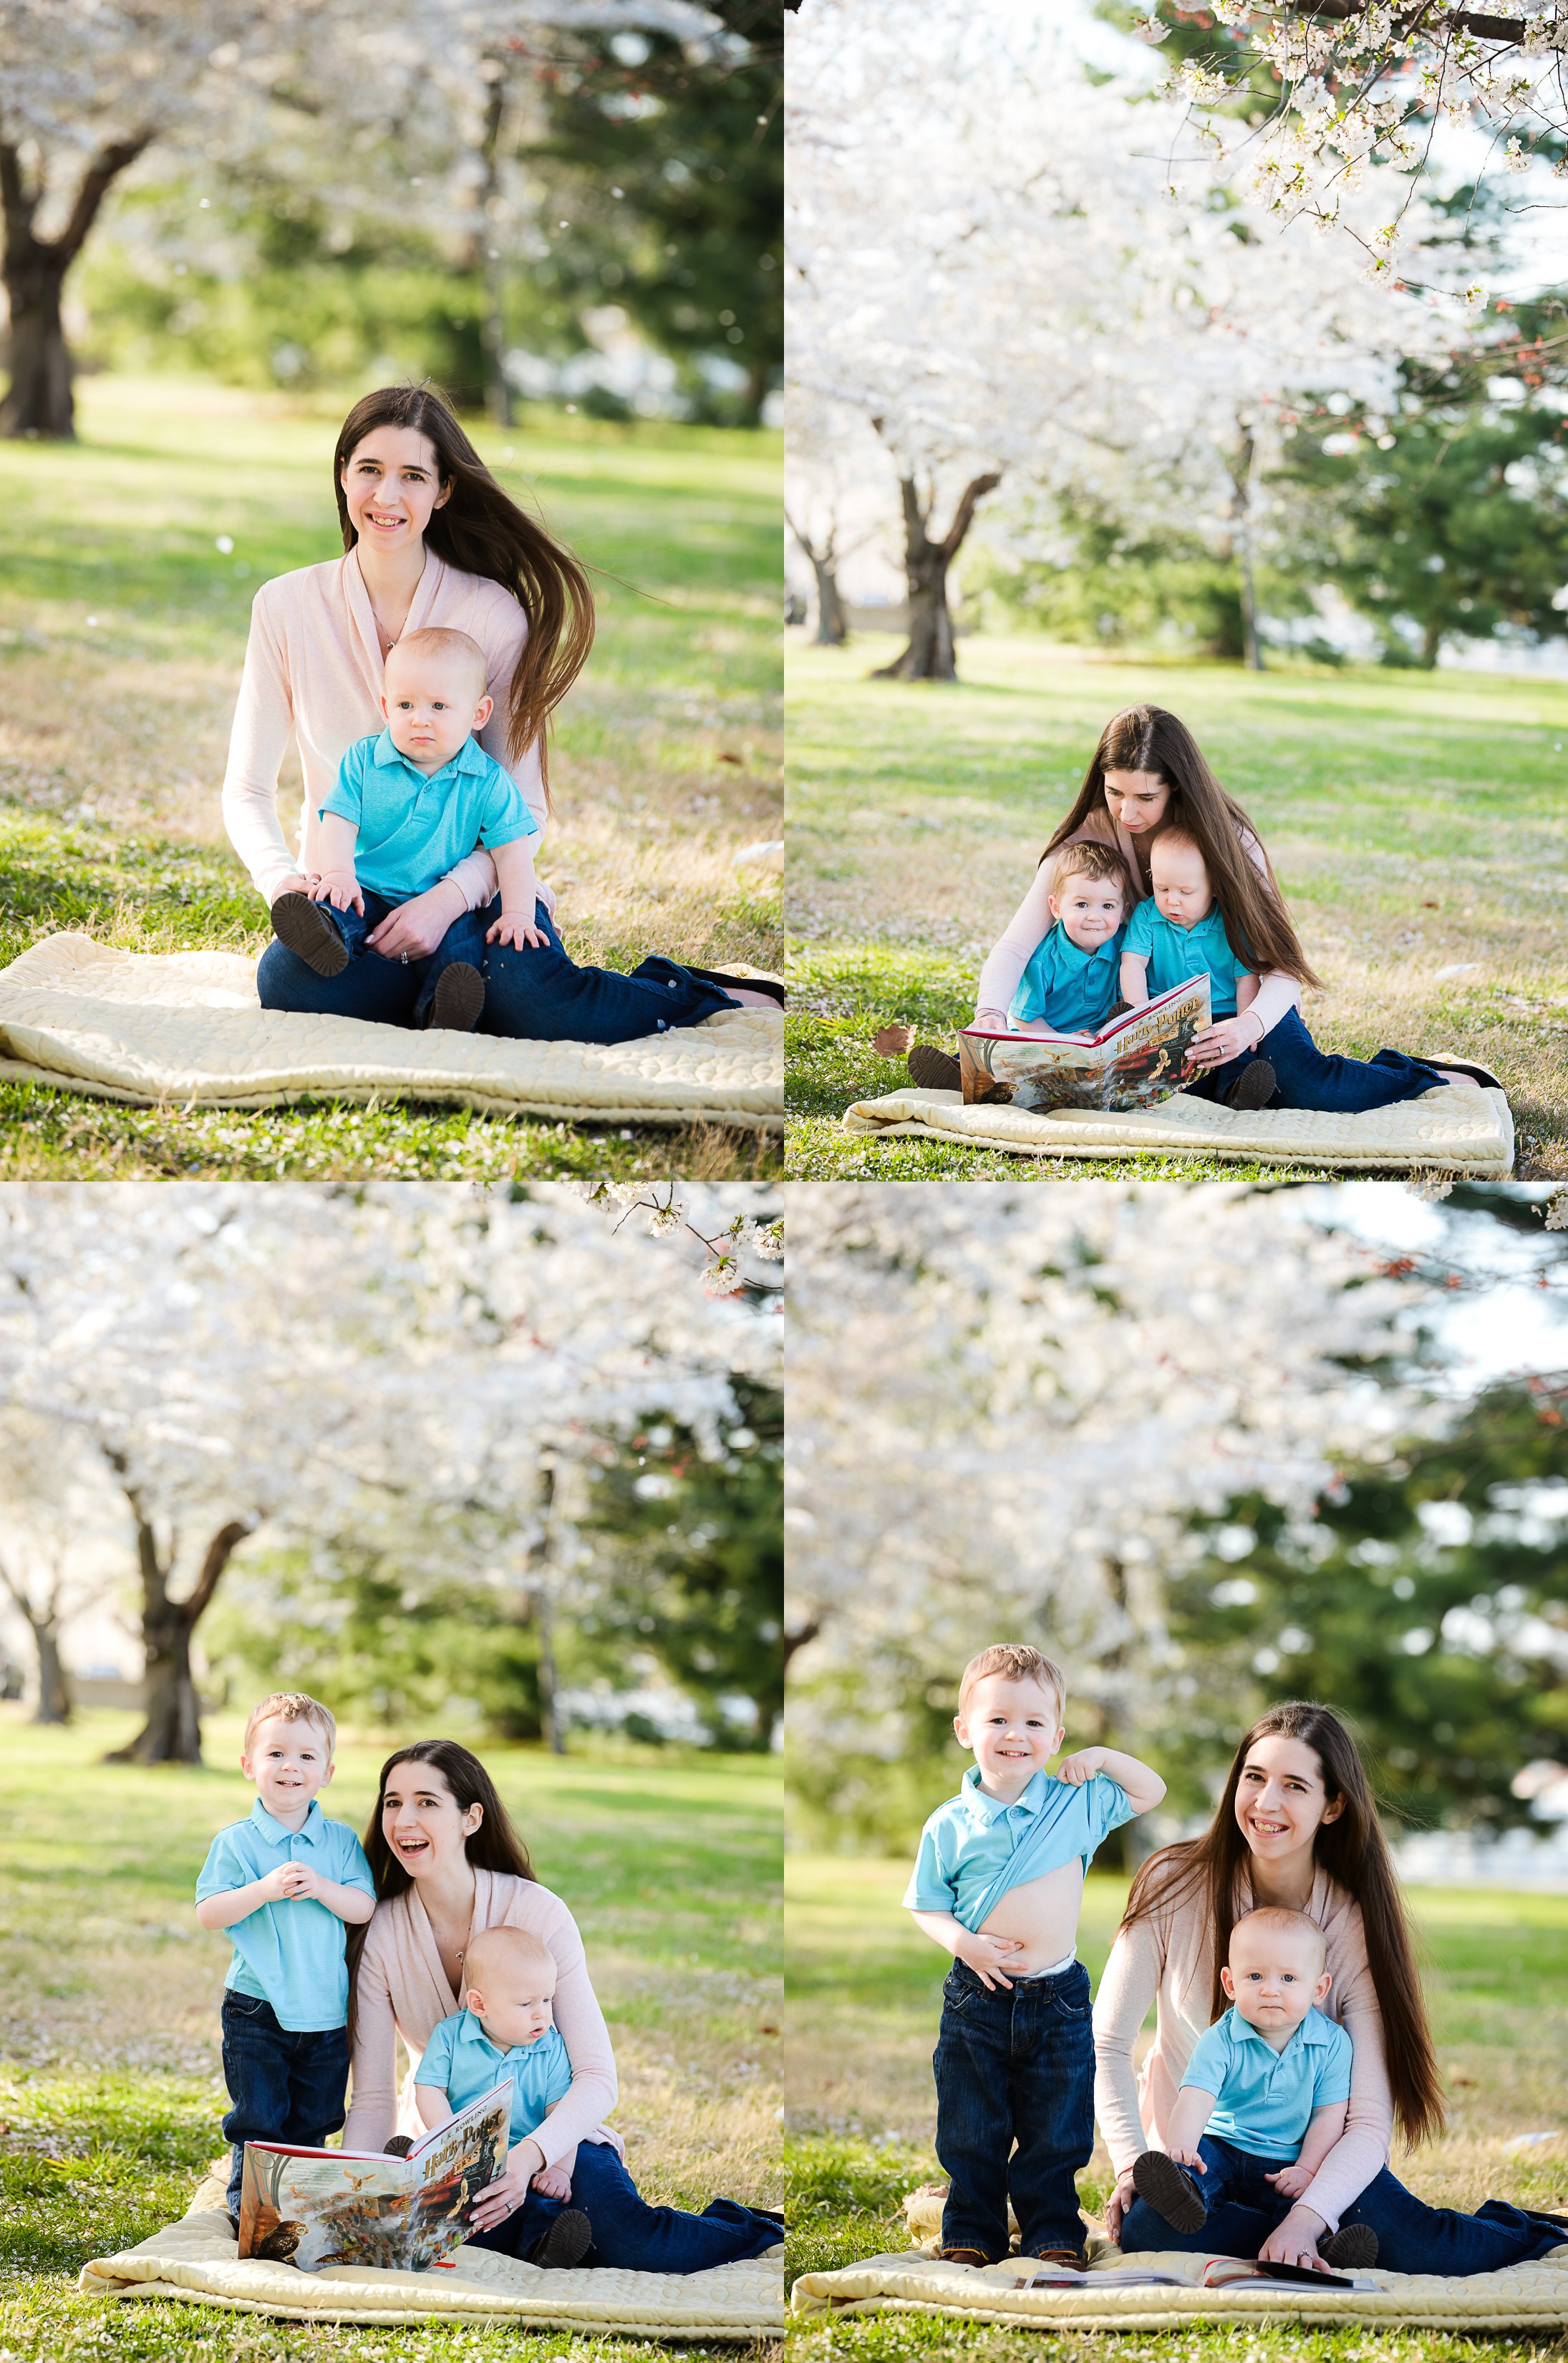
[403,957]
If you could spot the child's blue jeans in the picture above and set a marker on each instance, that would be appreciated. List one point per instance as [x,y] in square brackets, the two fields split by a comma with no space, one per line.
[283,2086]
[534,992]
[1412,2238]
[1306,1076]
[1014,2068]
[629,2232]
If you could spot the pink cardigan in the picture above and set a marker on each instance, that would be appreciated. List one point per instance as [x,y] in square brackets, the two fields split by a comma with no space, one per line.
[1168,1961]
[1030,923]
[314,667]
[402,1990]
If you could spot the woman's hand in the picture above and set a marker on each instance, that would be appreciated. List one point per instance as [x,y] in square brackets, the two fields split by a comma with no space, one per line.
[416,927]
[1118,2203]
[1295,2242]
[1225,1041]
[509,2190]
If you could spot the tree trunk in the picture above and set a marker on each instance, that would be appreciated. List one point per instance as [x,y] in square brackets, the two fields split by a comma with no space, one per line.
[929,656]
[54,1689]
[1432,641]
[39,401]
[1252,649]
[173,1731]
[832,630]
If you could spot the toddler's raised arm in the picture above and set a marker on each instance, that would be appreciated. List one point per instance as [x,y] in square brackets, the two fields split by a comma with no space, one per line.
[1190,2112]
[435,2109]
[1143,1788]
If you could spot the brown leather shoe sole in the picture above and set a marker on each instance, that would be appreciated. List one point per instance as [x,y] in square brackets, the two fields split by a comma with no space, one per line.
[459,998]
[1351,2245]
[1170,2190]
[1253,1087]
[305,928]
[934,1070]
[566,2243]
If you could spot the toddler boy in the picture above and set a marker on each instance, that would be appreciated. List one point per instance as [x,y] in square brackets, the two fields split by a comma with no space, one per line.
[1266,2093]
[1073,979]
[282,1884]
[998,1884]
[407,806]
[505,2029]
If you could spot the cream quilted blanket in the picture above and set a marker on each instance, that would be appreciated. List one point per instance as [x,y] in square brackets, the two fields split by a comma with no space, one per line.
[1526,2298]
[187,1029]
[194,2261]
[1450,1131]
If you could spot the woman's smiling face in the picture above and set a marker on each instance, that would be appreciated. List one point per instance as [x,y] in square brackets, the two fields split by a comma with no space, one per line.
[422,1821]
[1281,1801]
[392,482]
[1136,800]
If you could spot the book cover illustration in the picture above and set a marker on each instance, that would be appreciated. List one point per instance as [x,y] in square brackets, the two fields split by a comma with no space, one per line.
[317,2207]
[1136,1060]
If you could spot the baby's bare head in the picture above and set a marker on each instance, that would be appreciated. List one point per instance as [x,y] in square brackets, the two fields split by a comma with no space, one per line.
[1276,1967]
[433,693]
[509,1978]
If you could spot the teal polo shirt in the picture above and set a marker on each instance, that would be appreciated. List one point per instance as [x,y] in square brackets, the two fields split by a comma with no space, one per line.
[1264,2098]
[414,829]
[290,1954]
[975,1848]
[1175,953]
[1065,987]
[461,2059]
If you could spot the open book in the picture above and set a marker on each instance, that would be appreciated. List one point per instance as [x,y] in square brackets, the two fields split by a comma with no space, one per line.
[316,2207]
[1220,2272]
[1133,1062]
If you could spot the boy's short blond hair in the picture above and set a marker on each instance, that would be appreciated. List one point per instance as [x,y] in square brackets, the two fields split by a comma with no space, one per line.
[1087,857]
[1020,1663]
[294,1707]
[497,1948]
[1281,1918]
[447,646]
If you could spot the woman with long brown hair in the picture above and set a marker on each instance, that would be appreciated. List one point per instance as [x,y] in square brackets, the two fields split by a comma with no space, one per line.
[430,540]
[1297,1827]
[1148,774]
[448,1863]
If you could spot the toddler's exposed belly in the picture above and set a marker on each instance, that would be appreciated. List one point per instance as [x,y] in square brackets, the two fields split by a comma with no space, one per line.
[1042,1915]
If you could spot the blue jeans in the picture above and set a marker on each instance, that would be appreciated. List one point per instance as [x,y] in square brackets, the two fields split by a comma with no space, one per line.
[1306,1076]
[536,994]
[283,2086]
[1411,2236]
[629,2232]
[1014,2066]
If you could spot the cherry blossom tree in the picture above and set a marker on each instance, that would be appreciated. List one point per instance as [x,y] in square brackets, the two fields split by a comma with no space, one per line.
[229,1357]
[1007,1406]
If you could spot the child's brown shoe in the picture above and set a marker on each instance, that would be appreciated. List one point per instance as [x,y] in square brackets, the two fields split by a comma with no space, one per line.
[458,999]
[965,2256]
[1076,2260]
[566,2243]
[1170,2190]
[305,928]
[934,1070]
[1351,2244]
[1253,1087]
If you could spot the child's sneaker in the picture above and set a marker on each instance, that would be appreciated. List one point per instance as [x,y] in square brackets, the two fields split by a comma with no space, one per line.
[965,2256]
[566,2243]
[1351,2246]
[1170,2191]
[305,928]
[459,998]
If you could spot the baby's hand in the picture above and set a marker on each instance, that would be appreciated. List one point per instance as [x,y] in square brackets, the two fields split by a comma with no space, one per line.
[988,1957]
[553,2182]
[338,887]
[1076,1770]
[516,927]
[1190,2160]
[1290,2182]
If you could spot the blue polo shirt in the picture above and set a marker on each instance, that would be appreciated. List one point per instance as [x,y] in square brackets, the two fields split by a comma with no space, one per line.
[414,829]
[1175,953]
[1067,988]
[289,1954]
[974,1849]
[461,2059]
[1265,2098]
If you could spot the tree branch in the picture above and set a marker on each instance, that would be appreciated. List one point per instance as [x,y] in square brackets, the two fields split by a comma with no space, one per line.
[964,516]
[220,1550]
[106,168]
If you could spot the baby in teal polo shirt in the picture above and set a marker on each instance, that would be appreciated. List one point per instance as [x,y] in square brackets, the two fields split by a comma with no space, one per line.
[282,1884]
[408,803]
[1266,2093]
[1178,932]
[505,2029]
[998,1884]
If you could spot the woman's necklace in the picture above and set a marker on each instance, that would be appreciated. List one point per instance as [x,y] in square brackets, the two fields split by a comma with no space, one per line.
[445,1947]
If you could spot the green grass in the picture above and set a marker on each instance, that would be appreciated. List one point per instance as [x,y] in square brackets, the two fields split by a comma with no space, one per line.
[864,1996]
[1418,822]
[110,2085]
[122,634]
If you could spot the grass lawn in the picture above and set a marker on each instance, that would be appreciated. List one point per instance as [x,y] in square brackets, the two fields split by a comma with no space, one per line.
[122,635]
[863,1997]
[1419,824]
[111,2088]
